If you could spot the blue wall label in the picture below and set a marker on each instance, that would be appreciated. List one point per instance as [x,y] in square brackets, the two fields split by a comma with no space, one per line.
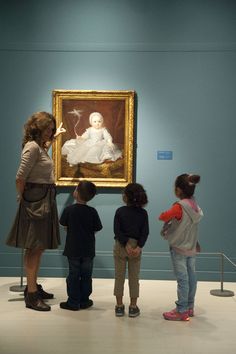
[164,155]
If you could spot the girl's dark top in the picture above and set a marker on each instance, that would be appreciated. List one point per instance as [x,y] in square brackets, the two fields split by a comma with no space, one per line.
[131,222]
[82,221]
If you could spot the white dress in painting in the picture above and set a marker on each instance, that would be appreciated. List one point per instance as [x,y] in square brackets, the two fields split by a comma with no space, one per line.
[94,146]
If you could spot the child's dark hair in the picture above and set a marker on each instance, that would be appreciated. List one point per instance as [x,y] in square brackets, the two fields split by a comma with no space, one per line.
[86,190]
[187,183]
[135,195]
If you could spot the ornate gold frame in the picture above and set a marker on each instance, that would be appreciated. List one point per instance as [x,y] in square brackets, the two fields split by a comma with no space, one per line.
[117,108]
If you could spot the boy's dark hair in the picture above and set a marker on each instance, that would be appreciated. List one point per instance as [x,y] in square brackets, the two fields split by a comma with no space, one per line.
[86,190]
[135,195]
[187,184]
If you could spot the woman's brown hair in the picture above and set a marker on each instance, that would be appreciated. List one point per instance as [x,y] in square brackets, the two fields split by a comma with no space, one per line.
[35,125]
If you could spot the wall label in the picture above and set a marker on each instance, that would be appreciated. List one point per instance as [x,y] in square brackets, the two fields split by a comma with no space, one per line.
[164,155]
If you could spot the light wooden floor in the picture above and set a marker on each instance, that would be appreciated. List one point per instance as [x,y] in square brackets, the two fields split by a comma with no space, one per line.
[97,330]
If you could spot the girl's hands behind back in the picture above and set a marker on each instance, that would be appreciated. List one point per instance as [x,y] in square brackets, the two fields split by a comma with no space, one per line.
[129,249]
[133,252]
[136,251]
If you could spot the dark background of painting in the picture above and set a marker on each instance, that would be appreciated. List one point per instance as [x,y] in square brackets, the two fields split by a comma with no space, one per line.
[113,112]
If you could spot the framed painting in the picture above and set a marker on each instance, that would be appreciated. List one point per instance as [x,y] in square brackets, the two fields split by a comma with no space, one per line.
[99,139]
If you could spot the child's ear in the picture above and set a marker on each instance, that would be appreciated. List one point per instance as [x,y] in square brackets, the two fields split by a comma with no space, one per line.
[75,193]
[178,192]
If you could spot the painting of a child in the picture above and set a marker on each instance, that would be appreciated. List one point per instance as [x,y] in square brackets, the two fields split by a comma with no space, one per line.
[95,145]
[99,141]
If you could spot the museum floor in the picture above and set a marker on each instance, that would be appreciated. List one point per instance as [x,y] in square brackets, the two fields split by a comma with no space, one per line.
[97,330]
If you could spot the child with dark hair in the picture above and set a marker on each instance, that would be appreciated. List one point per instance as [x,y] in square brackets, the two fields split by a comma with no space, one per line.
[81,222]
[181,231]
[131,231]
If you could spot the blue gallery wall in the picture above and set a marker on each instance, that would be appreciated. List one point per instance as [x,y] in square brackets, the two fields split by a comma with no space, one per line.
[180,58]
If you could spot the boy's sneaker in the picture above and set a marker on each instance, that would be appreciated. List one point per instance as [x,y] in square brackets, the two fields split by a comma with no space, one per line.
[66,306]
[174,315]
[191,312]
[134,311]
[120,311]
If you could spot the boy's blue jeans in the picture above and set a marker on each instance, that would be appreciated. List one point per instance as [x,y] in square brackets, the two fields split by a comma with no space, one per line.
[79,280]
[184,269]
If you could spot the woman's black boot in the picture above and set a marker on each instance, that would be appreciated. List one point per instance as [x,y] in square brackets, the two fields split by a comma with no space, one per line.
[33,301]
[43,294]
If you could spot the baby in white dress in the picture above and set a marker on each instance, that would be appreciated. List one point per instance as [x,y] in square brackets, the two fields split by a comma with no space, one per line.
[94,145]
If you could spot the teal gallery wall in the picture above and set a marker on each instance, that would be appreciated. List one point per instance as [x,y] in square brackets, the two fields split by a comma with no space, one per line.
[180,58]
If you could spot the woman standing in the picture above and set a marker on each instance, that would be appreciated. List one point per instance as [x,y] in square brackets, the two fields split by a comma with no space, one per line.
[36,225]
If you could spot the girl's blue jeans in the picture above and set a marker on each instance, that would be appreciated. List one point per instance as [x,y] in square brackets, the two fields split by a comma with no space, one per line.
[184,269]
[79,280]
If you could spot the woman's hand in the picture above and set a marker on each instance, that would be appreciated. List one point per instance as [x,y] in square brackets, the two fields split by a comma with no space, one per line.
[60,130]
[20,186]
[18,198]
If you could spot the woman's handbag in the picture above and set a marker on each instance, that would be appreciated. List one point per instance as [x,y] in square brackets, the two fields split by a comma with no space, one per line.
[37,209]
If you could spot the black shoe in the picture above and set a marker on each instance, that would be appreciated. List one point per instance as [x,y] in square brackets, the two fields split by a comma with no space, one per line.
[33,301]
[43,294]
[86,305]
[134,311]
[66,306]
[120,311]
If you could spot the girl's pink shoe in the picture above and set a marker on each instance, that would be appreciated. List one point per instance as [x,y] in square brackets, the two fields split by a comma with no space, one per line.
[191,312]
[174,315]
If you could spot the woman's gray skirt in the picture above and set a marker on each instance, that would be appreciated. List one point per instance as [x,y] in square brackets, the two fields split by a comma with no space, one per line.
[36,223]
